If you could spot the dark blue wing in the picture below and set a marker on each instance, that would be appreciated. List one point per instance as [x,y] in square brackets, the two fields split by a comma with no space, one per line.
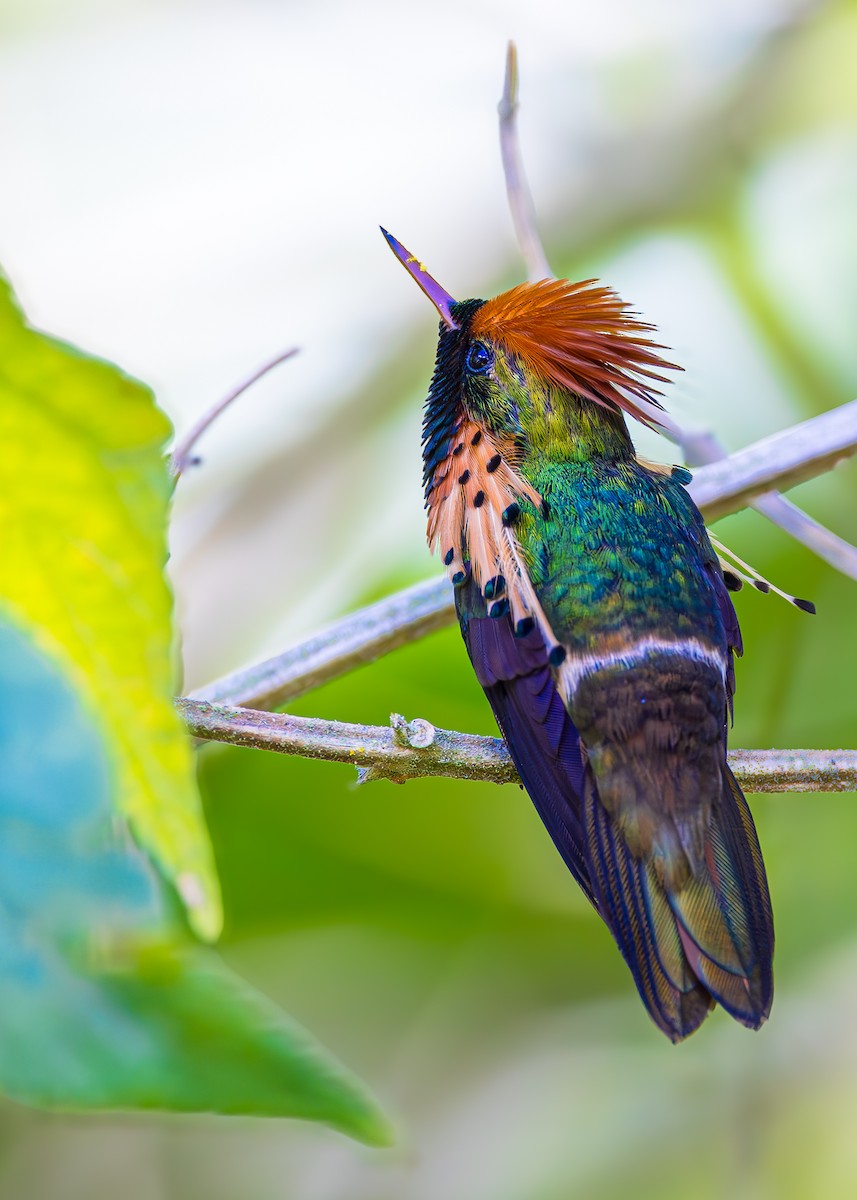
[542,739]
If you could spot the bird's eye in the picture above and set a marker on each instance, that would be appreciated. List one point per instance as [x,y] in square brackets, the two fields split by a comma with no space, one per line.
[479,358]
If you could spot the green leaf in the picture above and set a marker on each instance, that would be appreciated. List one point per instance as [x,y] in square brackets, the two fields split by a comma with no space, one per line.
[83,513]
[105,1003]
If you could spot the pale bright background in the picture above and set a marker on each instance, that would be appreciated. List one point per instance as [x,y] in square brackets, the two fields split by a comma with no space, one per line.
[189,188]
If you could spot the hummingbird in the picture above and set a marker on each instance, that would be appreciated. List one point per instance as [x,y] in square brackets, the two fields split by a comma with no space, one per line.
[598,619]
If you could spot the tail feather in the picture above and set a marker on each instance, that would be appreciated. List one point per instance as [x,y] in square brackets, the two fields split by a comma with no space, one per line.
[742,835]
[731,991]
[714,921]
[667,939]
[708,940]
[647,938]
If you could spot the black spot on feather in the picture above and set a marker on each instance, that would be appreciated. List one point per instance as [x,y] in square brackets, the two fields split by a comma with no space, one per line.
[511,514]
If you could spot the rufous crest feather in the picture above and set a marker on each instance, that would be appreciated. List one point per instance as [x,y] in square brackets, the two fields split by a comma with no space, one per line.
[581,336]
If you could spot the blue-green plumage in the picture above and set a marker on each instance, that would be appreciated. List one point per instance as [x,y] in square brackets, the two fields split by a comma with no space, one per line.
[596,615]
[617,548]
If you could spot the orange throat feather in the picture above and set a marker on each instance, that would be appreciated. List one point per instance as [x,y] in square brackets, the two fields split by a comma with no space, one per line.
[474,493]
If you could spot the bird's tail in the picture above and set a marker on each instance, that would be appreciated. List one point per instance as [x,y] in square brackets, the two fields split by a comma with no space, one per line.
[707,940]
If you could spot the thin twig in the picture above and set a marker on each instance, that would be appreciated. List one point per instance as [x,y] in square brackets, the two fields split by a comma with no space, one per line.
[811,533]
[697,447]
[352,642]
[704,447]
[182,455]
[780,461]
[364,636]
[517,189]
[416,749]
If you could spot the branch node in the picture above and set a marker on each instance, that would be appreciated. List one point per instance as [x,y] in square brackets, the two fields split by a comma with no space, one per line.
[419,734]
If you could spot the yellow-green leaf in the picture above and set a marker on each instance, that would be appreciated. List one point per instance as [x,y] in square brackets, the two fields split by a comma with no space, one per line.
[83,509]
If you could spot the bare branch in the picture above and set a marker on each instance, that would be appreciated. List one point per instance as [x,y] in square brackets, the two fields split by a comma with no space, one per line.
[779,461]
[416,749]
[795,770]
[361,637]
[380,751]
[357,639]
[182,455]
[702,448]
[517,189]
[804,528]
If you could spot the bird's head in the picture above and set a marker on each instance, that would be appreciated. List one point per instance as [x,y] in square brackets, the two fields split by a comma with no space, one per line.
[574,345]
[547,368]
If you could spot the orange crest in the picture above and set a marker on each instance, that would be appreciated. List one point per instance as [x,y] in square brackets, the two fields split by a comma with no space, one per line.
[582,337]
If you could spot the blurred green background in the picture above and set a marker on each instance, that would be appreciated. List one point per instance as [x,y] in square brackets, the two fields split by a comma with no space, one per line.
[191,187]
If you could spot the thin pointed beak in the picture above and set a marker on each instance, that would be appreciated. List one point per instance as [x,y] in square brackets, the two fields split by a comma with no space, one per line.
[440,299]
